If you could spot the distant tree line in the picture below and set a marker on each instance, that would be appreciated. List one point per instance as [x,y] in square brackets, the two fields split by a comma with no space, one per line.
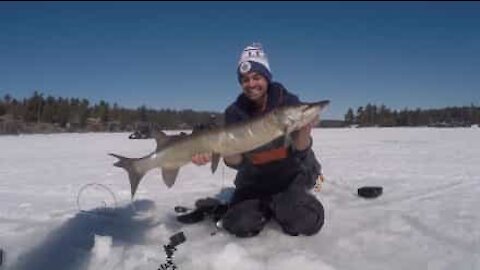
[372,115]
[75,114]
[38,113]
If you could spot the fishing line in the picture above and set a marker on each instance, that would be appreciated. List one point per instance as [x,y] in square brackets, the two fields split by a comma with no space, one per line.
[104,204]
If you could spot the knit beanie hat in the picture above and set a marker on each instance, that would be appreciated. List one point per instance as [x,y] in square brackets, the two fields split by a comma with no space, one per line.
[253,58]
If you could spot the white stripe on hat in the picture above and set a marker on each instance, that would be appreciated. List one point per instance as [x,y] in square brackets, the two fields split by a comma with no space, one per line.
[254,53]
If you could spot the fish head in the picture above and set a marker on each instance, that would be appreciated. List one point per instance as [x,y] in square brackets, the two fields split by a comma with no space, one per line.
[297,116]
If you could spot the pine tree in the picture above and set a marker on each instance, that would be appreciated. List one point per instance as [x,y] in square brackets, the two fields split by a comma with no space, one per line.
[349,117]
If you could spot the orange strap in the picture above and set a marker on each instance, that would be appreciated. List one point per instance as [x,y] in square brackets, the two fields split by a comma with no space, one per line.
[268,156]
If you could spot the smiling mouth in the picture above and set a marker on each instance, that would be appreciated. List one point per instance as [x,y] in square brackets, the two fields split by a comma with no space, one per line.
[254,91]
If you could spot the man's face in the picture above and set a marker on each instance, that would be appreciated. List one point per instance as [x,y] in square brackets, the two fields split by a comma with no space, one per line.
[254,86]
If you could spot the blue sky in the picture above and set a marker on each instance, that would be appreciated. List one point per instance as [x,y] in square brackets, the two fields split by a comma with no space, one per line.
[184,55]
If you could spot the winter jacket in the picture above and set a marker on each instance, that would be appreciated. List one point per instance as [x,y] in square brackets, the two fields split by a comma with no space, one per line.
[291,168]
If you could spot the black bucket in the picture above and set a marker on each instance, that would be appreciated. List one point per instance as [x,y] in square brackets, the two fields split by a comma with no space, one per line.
[370,192]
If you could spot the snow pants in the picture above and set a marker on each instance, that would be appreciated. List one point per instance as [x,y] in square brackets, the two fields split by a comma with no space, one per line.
[296,210]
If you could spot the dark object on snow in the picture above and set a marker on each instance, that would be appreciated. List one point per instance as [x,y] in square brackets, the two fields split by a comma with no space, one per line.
[191,217]
[177,239]
[169,249]
[144,131]
[181,209]
[370,192]
[139,135]
[205,126]
[1,257]
[208,207]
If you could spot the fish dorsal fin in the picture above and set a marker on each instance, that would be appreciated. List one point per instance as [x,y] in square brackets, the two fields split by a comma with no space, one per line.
[161,138]
[169,176]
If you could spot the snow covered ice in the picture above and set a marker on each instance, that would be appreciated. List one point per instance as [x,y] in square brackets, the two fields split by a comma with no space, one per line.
[63,205]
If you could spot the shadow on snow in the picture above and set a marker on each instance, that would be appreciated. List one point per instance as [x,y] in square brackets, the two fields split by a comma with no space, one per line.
[69,246]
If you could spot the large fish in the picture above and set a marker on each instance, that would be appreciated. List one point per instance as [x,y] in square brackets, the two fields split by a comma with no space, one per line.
[172,152]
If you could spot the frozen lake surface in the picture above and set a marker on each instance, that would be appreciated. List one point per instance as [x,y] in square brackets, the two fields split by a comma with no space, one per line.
[427,217]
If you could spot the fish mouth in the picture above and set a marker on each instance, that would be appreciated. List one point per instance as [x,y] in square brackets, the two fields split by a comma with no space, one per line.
[315,107]
[319,104]
[311,111]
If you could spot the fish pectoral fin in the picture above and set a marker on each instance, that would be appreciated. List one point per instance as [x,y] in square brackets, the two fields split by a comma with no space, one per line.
[169,176]
[215,161]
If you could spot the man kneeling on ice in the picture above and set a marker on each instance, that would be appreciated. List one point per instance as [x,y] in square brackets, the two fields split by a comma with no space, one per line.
[273,181]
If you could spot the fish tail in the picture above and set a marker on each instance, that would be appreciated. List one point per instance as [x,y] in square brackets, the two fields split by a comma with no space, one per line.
[133,174]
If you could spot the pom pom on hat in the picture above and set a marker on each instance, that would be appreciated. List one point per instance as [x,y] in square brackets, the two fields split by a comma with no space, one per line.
[253,58]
